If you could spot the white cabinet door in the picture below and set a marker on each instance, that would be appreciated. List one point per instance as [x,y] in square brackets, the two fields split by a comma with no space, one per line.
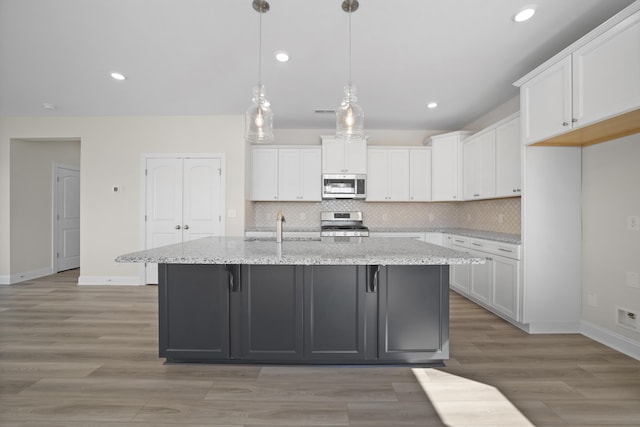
[606,74]
[420,175]
[434,238]
[289,185]
[445,168]
[470,169]
[340,157]
[264,174]
[479,176]
[398,175]
[377,183]
[506,287]
[481,277]
[508,159]
[311,174]
[460,274]
[388,177]
[355,157]
[546,103]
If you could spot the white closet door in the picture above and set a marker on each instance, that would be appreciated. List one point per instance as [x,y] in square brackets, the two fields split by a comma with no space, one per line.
[202,196]
[163,207]
[184,201]
[68,219]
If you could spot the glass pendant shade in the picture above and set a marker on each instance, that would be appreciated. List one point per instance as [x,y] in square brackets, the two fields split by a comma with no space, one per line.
[259,119]
[349,117]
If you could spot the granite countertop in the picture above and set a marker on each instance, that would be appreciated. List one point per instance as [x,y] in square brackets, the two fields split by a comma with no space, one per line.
[240,250]
[514,239]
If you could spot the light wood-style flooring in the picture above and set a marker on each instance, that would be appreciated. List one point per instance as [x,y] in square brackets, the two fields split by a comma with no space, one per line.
[87,356]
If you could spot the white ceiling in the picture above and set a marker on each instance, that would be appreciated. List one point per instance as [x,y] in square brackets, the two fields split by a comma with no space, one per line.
[199,57]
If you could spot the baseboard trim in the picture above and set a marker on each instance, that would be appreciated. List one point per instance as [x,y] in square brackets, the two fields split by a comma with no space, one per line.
[24,276]
[109,280]
[554,327]
[611,339]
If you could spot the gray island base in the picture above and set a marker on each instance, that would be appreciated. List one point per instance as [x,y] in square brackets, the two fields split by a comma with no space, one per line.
[375,301]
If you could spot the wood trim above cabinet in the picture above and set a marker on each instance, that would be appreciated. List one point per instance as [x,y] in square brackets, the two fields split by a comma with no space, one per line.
[605,130]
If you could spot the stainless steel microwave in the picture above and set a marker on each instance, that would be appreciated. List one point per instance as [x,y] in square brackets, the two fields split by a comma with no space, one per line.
[343,186]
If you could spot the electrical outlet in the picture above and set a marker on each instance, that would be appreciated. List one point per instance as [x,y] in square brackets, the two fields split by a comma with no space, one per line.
[468,217]
[500,218]
[303,216]
[116,189]
[432,217]
[385,217]
[232,213]
[627,318]
[633,279]
[633,223]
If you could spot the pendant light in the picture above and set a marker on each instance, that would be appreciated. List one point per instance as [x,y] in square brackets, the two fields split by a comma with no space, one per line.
[259,117]
[349,116]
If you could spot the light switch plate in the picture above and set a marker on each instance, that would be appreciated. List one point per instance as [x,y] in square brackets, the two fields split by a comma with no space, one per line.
[633,223]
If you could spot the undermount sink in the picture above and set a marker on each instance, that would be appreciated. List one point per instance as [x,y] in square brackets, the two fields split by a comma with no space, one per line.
[286,239]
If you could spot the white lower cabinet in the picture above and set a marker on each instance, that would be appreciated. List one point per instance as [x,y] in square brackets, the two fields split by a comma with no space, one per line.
[495,284]
[459,274]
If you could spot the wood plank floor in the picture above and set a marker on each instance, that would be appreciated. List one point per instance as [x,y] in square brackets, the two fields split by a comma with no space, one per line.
[87,356]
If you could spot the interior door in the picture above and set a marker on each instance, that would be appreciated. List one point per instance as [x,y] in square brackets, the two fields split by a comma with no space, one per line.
[184,201]
[67,218]
[202,195]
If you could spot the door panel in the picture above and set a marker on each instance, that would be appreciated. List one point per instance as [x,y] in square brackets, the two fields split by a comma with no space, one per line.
[68,219]
[202,198]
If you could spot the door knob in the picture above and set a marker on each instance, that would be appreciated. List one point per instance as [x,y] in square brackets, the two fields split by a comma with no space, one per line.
[177,227]
[186,227]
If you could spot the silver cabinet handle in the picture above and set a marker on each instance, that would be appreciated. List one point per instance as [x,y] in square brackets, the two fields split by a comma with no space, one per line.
[574,120]
[186,227]
[565,124]
[178,227]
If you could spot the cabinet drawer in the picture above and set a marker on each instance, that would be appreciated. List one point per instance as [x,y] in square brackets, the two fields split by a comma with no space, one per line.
[460,242]
[507,250]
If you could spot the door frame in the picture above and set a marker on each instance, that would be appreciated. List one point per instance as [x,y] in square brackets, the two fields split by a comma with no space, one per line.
[54,209]
[143,195]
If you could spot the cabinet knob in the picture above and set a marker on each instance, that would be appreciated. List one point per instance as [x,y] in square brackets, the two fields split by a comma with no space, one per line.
[574,120]
[565,124]
[178,227]
[186,227]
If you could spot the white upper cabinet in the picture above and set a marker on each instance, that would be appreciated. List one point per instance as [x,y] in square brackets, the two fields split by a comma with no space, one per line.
[420,174]
[299,176]
[545,102]
[399,174]
[340,157]
[479,173]
[598,78]
[606,73]
[285,173]
[388,177]
[508,158]
[264,174]
[446,166]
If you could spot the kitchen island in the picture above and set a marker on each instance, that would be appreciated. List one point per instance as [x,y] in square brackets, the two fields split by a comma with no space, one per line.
[362,301]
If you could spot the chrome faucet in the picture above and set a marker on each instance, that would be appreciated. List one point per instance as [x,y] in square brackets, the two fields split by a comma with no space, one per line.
[279,221]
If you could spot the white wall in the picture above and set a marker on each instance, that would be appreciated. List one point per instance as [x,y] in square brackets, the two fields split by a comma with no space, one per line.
[610,193]
[111,154]
[32,192]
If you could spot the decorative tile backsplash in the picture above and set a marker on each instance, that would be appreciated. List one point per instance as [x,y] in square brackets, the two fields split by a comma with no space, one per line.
[500,215]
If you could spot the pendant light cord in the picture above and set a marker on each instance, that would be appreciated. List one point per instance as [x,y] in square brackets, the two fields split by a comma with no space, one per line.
[260,52]
[349,51]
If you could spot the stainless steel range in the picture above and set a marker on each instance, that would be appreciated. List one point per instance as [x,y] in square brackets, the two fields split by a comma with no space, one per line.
[342,224]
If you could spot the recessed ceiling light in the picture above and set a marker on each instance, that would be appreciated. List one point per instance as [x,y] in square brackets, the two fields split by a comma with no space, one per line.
[525,14]
[117,76]
[282,56]
[49,106]
[432,105]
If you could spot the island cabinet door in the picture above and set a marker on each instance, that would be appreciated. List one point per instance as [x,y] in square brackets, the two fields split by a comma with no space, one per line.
[335,313]
[271,313]
[193,312]
[413,316]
